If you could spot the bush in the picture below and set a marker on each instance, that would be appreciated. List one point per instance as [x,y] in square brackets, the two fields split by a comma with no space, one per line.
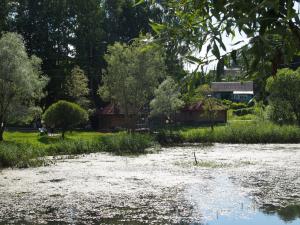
[281,113]
[123,143]
[243,112]
[167,138]
[284,89]
[65,115]
[120,143]
[20,155]
[238,105]
[227,103]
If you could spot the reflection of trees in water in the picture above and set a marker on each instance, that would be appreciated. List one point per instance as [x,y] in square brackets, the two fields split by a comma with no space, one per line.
[287,214]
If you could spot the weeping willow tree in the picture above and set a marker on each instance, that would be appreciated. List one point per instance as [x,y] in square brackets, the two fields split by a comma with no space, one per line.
[21,81]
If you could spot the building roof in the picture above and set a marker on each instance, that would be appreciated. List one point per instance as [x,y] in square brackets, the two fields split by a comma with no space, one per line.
[232,86]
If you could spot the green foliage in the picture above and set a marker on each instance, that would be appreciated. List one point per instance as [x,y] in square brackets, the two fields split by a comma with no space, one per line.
[28,149]
[132,74]
[77,87]
[166,99]
[20,155]
[280,112]
[238,105]
[21,81]
[272,28]
[243,132]
[65,115]
[284,98]
[243,111]
[123,143]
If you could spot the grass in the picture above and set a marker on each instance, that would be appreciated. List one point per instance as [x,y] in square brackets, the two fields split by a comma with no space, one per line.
[23,149]
[33,138]
[29,149]
[232,117]
[243,132]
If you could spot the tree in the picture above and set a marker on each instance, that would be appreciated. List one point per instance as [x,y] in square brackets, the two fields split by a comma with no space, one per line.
[284,92]
[132,74]
[21,81]
[76,87]
[65,115]
[211,105]
[166,100]
[4,8]
[67,33]
[273,29]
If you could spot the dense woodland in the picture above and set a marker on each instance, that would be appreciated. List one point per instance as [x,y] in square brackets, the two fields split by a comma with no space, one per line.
[65,34]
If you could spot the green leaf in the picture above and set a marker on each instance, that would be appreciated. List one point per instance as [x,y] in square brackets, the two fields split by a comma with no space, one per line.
[194,59]
[138,3]
[157,27]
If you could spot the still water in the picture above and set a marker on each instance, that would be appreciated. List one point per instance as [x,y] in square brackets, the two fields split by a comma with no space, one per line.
[230,185]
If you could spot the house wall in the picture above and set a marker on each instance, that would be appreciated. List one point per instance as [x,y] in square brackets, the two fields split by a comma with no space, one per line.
[242,97]
[200,118]
[223,95]
[110,122]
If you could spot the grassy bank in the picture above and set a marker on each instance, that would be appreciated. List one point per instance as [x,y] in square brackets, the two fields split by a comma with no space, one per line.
[242,132]
[29,149]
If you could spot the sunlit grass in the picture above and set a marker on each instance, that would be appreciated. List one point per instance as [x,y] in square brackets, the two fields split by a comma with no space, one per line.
[28,148]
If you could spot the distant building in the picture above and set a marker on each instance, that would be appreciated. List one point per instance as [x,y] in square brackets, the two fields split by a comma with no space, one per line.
[233,91]
[195,115]
[112,118]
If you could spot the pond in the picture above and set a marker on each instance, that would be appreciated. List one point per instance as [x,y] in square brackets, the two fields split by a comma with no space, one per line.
[230,185]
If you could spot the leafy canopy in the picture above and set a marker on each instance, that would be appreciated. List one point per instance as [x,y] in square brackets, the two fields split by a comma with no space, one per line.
[76,87]
[132,74]
[65,115]
[272,26]
[21,80]
[284,92]
[166,99]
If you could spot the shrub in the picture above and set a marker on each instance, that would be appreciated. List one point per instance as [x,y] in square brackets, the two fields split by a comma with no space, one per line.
[243,112]
[284,96]
[227,103]
[238,105]
[124,143]
[20,155]
[65,115]
[281,113]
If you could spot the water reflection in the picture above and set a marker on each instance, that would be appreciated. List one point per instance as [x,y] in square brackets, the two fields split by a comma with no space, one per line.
[287,214]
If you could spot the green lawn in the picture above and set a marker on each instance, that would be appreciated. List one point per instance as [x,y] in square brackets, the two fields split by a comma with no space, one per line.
[35,139]
[24,149]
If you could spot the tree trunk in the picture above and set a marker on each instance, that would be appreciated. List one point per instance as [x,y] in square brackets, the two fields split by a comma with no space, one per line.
[2,128]
[1,133]
[63,134]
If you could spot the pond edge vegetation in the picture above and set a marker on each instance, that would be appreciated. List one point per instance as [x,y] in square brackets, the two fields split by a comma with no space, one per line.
[27,154]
